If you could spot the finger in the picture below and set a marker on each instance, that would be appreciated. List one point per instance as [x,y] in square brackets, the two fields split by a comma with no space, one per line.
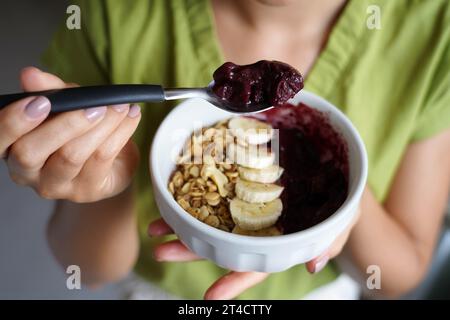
[66,163]
[317,264]
[233,284]
[28,155]
[337,246]
[111,166]
[33,79]
[174,251]
[19,118]
[159,228]
[334,250]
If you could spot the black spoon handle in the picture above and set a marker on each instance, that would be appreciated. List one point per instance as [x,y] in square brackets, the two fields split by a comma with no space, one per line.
[87,97]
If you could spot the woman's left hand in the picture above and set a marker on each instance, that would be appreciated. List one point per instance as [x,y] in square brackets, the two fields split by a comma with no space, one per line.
[233,283]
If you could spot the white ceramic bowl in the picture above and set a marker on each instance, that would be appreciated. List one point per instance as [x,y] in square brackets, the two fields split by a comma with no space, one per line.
[246,253]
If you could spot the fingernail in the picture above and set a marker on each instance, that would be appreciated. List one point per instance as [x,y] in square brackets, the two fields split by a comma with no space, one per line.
[37,107]
[156,255]
[135,110]
[95,113]
[120,107]
[150,231]
[321,263]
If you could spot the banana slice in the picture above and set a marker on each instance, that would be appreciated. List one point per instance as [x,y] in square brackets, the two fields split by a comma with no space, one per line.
[256,157]
[255,192]
[266,175]
[255,216]
[250,130]
[266,232]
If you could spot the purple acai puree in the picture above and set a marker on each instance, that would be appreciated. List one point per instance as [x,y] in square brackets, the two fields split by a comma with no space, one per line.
[315,161]
[264,83]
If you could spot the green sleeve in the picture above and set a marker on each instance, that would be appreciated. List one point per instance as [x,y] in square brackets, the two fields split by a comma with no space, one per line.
[435,116]
[81,56]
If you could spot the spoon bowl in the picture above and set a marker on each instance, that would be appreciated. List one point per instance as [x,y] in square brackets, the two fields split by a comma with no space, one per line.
[208,95]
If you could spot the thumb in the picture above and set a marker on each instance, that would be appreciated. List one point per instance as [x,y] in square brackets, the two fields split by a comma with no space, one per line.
[33,79]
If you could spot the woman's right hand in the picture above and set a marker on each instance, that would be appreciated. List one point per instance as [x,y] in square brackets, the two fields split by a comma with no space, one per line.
[81,156]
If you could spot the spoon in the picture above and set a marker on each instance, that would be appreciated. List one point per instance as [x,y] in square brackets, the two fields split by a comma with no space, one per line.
[75,98]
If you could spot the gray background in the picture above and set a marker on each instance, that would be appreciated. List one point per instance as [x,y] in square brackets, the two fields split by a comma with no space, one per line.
[27,269]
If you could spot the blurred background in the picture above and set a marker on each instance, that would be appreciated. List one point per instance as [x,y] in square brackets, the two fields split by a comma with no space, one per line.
[27,269]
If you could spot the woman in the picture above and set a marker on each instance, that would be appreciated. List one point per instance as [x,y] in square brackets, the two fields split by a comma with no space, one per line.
[392,82]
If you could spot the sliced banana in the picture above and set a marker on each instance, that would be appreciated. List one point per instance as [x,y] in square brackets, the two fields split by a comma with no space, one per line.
[250,130]
[255,216]
[256,157]
[255,192]
[266,232]
[269,174]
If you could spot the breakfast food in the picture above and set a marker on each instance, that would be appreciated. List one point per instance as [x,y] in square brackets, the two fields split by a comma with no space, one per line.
[233,186]
[255,216]
[269,174]
[250,157]
[264,83]
[227,175]
[255,192]
[315,161]
[266,232]
[251,131]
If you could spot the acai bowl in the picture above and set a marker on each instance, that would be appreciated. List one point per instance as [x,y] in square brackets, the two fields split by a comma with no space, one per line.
[286,240]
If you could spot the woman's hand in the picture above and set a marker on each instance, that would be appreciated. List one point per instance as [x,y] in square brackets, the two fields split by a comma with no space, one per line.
[233,283]
[334,250]
[81,156]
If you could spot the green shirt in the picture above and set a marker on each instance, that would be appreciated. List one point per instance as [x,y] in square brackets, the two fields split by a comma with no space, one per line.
[392,82]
